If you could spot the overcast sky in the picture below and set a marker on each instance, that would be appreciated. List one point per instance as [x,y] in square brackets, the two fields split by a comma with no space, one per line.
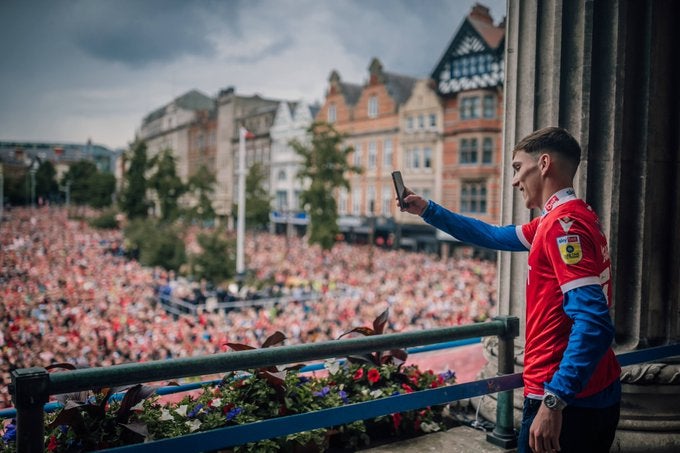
[77,69]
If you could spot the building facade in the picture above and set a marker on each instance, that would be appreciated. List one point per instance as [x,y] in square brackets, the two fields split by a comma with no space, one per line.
[168,128]
[256,114]
[369,116]
[469,79]
[290,123]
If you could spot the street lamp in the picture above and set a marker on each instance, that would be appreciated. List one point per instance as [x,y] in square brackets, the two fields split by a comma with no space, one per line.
[33,165]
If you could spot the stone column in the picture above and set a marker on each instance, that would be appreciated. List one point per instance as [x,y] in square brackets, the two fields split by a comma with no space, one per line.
[608,71]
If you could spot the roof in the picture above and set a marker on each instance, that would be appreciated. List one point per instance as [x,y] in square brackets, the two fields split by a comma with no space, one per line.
[492,34]
[191,100]
[351,92]
[399,86]
[478,25]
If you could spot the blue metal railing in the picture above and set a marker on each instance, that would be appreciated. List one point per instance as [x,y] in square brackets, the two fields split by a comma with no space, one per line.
[31,387]
[172,389]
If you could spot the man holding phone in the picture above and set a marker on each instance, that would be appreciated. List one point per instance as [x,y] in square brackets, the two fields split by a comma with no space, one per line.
[571,376]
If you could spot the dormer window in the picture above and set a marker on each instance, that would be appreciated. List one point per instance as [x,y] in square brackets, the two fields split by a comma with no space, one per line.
[331,113]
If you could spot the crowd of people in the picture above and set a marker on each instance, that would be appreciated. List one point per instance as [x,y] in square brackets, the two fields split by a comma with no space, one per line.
[68,295]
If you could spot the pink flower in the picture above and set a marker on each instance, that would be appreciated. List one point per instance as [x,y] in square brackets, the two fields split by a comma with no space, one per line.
[373,375]
[359,374]
[407,388]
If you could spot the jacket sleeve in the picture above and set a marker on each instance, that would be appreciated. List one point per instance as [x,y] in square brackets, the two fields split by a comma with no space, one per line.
[591,336]
[473,231]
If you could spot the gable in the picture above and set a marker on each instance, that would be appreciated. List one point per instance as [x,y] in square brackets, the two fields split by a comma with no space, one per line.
[470,61]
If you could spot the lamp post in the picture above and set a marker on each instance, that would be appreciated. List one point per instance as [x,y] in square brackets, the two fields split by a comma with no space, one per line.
[2,193]
[32,164]
[371,237]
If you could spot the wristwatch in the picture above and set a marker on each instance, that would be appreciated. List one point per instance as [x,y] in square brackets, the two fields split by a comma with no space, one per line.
[553,402]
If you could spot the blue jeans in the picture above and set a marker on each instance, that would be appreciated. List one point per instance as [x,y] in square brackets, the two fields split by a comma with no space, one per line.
[584,429]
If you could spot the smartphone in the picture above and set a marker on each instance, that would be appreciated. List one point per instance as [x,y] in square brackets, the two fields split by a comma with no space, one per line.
[399,188]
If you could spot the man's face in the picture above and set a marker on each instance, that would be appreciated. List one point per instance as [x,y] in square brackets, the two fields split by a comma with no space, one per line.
[527,178]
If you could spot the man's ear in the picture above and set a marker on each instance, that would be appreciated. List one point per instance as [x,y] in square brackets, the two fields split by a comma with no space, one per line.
[544,162]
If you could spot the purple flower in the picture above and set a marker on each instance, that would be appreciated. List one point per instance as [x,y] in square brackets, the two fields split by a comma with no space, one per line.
[324,391]
[195,410]
[343,395]
[448,375]
[233,413]
[10,432]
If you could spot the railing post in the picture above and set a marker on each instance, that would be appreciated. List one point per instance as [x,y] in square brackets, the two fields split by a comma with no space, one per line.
[30,392]
[503,435]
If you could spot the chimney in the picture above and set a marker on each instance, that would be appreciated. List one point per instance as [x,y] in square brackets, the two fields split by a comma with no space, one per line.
[481,13]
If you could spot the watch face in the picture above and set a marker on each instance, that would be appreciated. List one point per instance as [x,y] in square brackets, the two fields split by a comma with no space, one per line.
[550,401]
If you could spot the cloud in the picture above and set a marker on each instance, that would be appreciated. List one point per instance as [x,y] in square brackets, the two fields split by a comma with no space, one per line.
[74,69]
[139,33]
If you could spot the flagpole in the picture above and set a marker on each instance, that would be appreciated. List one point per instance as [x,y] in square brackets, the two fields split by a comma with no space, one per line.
[241,219]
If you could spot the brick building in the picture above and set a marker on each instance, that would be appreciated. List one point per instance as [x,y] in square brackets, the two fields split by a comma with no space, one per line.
[469,78]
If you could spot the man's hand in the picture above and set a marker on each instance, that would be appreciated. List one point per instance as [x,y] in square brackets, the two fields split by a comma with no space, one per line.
[415,203]
[544,434]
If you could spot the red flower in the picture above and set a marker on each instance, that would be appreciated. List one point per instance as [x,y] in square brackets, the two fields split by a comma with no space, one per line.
[407,388]
[359,374]
[396,420]
[53,443]
[373,375]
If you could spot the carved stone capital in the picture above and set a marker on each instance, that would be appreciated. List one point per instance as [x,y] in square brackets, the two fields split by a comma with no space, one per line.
[651,374]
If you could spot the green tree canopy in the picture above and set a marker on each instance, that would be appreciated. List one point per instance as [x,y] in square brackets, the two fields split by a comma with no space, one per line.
[258,200]
[46,181]
[157,243]
[202,186]
[167,184]
[325,166]
[217,260]
[89,186]
[133,199]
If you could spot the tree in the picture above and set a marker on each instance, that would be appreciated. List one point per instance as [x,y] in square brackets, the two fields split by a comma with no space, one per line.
[217,260]
[259,201]
[133,200]
[167,184]
[46,181]
[324,166]
[102,187]
[156,243]
[88,185]
[202,186]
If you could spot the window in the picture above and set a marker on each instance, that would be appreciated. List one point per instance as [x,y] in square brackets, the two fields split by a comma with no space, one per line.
[433,120]
[469,108]
[473,197]
[371,207]
[373,107]
[387,154]
[468,151]
[387,200]
[372,155]
[331,113]
[296,200]
[356,199]
[427,157]
[489,106]
[342,201]
[357,156]
[487,150]
[415,158]
[282,175]
[421,121]
[281,200]
[409,123]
